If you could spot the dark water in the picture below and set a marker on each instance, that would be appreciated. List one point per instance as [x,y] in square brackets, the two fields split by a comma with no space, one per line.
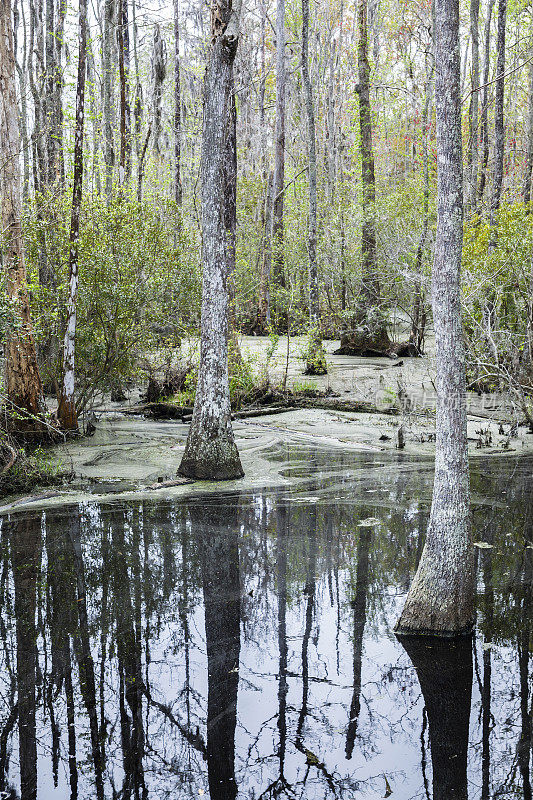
[241,645]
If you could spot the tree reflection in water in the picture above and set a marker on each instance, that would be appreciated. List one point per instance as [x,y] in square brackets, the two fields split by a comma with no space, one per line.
[239,646]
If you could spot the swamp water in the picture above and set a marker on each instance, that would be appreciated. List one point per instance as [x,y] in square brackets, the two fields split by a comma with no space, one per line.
[240,645]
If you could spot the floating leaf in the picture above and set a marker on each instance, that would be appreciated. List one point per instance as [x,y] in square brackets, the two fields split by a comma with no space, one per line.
[370,522]
[483,545]
[312,760]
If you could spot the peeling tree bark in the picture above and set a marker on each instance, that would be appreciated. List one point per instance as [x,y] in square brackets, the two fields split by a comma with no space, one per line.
[441,597]
[211,452]
[24,390]
[66,411]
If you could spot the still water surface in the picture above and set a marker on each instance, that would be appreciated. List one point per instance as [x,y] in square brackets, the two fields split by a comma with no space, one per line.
[240,645]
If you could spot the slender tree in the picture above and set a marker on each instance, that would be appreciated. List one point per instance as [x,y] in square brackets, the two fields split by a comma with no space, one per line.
[278,260]
[316,358]
[473,113]
[66,412]
[107,94]
[211,452]
[484,124]
[177,108]
[499,127]
[441,597]
[370,329]
[24,390]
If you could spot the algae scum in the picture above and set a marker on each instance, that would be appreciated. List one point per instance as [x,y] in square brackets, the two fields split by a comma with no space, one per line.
[240,645]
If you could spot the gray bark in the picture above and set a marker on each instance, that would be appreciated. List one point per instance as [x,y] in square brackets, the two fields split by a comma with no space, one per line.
[316,359]
[211,452]
[473,115]
[109,155]
[159,69]
[66,412]
[499,130]
[484,127]
[177,108]
[441,597]
[278,261]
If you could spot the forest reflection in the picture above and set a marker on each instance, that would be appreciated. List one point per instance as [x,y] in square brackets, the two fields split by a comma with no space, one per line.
[241,646]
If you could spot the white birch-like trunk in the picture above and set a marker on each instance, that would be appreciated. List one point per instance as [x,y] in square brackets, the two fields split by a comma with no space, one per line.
[441,597]
[211,452]
[66,412]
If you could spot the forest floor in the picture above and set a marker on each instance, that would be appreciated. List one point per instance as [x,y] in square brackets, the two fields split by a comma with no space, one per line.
[131,453]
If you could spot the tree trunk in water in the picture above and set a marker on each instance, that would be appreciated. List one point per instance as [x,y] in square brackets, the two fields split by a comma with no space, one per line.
[473,114]
[370,328]
[24,390]
[177,108]
[316,358]
[25,543]
[211,452]
[444,671]
[219,559]
[277,238]
[441,597]
[484,128]
[66,411]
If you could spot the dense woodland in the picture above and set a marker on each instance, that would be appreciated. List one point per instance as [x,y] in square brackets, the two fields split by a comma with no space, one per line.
[335,159]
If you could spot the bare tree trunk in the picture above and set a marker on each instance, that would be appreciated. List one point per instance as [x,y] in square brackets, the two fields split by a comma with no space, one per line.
[370,335]
[526,191]
[484,128]
[22,69]
[159,69]
[124,75]
[473,114]
[316,358]
[66,411]
[278,260]
[177,108]
[24,390]
[419,317]
[211,452]
[441,597]
[109,155]
[499,129]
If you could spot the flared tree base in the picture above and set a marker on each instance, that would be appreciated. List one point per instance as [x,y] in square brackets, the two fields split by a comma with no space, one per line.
[210,459]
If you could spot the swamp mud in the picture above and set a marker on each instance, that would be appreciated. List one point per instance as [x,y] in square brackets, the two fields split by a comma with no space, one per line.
[240,644]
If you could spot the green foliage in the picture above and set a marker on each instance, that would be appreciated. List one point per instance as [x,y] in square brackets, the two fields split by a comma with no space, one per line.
[139,284]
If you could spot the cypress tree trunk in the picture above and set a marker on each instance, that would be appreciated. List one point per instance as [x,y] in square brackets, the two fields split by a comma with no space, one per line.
[211,452]
[444,671]
[66,411]
[441,597]
[24,390]
[316,358]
